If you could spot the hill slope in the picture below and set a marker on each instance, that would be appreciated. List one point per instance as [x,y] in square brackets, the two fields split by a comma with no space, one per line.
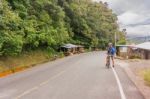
[31,24]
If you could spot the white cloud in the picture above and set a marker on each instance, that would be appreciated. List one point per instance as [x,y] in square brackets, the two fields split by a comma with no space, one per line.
[132,18]
[134,15]
[141,30]
[128,18]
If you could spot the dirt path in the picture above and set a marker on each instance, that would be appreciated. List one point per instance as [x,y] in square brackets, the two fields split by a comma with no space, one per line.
[134,69]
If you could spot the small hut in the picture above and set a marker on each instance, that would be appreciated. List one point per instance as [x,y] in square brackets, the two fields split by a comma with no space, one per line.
[69,49]
[123,50]
[80,49]
[143,50]
[134,51]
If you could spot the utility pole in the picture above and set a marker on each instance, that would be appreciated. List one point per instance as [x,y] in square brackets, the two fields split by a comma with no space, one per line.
[148,36]
[1,4]
[115,39]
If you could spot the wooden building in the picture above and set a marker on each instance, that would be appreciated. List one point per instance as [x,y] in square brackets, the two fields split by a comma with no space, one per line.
[123,51]
[141,51]
[70,49]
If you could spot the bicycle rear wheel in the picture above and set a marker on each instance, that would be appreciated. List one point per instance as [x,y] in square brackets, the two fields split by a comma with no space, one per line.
[108,62]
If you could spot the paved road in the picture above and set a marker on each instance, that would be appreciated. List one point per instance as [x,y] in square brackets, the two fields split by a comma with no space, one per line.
[77,77]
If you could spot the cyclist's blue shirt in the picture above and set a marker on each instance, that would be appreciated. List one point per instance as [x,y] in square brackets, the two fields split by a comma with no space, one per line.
[112,51]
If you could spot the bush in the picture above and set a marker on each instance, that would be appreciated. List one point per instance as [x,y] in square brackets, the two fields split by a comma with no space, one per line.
[147,76]
[135,57]
[30,24]
[12,46]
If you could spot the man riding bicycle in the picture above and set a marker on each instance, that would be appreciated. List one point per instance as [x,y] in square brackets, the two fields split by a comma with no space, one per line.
[111,51]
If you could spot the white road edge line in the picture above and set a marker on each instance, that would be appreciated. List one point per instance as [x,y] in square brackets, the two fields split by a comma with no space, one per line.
[119,84]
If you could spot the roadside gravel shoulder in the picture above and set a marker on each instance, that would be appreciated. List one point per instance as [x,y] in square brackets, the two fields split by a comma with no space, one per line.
[134,68]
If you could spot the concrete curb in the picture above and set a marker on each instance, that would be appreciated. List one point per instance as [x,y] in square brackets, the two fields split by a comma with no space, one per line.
[138,82]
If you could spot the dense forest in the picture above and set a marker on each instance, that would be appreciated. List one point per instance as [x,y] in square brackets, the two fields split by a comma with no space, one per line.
[31,24]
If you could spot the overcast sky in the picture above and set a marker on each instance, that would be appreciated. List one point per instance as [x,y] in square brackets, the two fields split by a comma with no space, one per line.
[134,15]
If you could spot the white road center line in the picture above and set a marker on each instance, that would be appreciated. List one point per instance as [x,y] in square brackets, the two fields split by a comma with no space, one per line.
[119,84]
[40,85]
[26,92]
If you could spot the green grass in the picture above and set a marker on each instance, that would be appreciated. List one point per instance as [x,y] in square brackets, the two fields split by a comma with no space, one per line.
[135,57]
[146,74]
[27,59]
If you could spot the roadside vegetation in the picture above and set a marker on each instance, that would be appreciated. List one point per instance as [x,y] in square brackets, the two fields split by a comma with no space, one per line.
[146,74]
[29,25]
[27,60]
[135,57]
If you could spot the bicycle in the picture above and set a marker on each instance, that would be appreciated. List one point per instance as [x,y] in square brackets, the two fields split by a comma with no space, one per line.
[108,61]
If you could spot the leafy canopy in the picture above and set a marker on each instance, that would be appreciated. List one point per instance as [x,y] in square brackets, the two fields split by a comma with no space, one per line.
[30,24]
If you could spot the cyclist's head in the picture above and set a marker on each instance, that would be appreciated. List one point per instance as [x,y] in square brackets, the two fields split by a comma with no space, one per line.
[110,44]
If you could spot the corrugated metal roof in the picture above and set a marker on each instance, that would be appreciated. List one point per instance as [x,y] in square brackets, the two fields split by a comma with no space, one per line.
[124,45]
[69,46]
[145,46]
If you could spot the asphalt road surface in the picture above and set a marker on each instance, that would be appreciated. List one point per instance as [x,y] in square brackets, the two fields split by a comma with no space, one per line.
[81,76]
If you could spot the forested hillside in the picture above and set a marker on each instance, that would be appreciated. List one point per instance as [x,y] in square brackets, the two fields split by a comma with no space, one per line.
[31,24]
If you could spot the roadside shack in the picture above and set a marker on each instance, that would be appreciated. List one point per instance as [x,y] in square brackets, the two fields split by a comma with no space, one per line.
[123,50]
[80,49]
[69,49]
[141,51]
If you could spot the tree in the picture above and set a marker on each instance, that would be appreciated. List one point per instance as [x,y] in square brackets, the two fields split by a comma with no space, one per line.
[31,24]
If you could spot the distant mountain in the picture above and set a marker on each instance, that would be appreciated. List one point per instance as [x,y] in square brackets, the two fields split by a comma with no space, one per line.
[138,39]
